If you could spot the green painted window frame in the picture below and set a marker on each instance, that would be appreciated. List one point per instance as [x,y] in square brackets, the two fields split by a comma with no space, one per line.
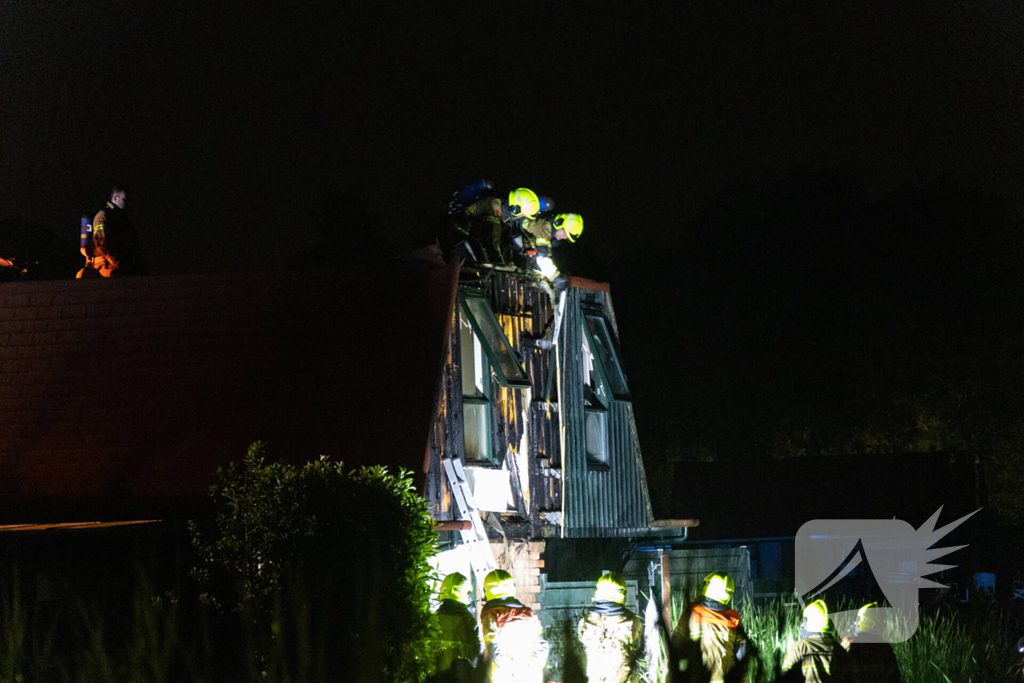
[618,389]
[602,378]
[603,463]
[484,317]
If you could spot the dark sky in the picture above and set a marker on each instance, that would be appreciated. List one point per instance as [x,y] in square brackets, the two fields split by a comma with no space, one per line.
[757,179]
[232,121]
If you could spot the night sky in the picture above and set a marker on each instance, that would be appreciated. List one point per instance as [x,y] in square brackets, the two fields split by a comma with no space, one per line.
[771,188]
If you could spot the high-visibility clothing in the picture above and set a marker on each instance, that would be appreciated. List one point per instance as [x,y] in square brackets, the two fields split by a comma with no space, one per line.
[514,640]
[819,657]
[460,635]
[479,225]
[613,642]
[718,634]
[115,243]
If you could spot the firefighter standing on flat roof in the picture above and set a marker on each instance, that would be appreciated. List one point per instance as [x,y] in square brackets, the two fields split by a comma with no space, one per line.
[115,246]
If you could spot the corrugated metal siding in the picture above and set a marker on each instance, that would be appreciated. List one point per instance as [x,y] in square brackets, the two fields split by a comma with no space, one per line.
[597,503]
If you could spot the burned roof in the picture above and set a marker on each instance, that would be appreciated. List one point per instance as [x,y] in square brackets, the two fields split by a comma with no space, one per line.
[120,398]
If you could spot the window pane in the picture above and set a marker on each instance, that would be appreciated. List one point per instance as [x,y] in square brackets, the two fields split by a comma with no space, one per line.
[606,352]
[595,393]
[597,436]
[502,355]
[475,368]
[477,426]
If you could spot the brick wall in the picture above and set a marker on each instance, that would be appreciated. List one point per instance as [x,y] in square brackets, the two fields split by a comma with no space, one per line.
[523,560]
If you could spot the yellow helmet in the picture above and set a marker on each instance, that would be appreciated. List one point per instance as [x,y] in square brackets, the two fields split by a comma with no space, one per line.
[816,615]
[719,587]
[866,618]
[455,587]
[499,584]
[611,587]
[524,202]
[572,223]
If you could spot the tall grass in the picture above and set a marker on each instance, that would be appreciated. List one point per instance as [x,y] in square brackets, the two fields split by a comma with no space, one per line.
[971,645]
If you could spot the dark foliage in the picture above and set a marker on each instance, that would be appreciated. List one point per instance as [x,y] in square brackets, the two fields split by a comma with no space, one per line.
[330,565]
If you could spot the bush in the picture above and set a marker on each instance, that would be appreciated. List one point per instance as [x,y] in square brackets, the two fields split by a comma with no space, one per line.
[329,567]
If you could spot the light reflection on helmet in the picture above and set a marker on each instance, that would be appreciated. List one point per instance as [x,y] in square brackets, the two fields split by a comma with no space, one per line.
[524,202]
[719,587]
[572,223]
[499,584]
[455,587]
[816,615]
[611,587]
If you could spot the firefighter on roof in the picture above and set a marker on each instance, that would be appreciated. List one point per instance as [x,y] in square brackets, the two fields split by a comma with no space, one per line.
[711,634]
[512,633]
[115,246]
[527,219]
[459,631]
[817,657]
[612,636]
[473,226]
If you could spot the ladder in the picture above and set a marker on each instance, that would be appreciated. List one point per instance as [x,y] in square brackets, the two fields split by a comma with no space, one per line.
[474,539]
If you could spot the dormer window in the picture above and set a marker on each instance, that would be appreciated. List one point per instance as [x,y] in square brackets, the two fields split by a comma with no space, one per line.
[486,351]
[596,399]
[603,381]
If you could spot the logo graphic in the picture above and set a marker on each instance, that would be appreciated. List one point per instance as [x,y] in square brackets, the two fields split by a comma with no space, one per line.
[854,562]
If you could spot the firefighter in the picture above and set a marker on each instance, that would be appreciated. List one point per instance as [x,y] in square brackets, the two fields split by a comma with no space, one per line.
[713,634]
[546,233]
[115,244]
[612,635]
[527,220]
[459,631]
[474,227]
[817,657]
[512,633]
[871,659]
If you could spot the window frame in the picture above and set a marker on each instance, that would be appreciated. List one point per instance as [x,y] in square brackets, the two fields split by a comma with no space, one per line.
[482,397]
[521,382]
[596,464]
[600,319]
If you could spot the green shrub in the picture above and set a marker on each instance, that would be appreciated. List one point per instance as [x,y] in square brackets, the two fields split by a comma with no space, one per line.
[329,566]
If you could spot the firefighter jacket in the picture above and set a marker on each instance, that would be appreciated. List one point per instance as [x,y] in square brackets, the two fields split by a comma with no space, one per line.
[480,226]
[613,642]
[460,635]
[114,239]
[870,660]
[514,640]
[815,658]
[717,634]
[539,231]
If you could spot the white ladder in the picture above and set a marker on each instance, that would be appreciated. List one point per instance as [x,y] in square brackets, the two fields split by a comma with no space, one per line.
[474,539]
